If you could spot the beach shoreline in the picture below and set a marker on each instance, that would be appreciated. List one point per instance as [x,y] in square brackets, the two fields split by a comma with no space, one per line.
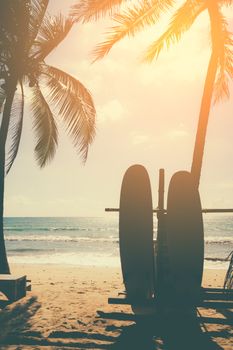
[61,311]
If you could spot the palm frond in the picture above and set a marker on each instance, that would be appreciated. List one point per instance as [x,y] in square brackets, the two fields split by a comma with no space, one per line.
[7,22]
[181,21]
[14,22]
[222,47]
[74,104]
[9,18]
[87,10]
[221,87]
[52,31]
[130,21]
[22,11]
[44,126]
[15,128]
[37,12]
[226,2]
[225,69]
[19,25]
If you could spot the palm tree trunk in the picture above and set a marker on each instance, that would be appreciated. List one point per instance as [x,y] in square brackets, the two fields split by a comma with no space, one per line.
[203,119]
[206,97]
[4,266]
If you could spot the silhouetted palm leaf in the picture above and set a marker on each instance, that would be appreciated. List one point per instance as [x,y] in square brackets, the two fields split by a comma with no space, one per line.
[7,27]
[15,129]
[87,10]
[52,31]
[132,20]
[226,2]
[37,12]
[44,126]
[180,23]
[75,106]
[225,64]
[74,101]
[14,26]
[10,11]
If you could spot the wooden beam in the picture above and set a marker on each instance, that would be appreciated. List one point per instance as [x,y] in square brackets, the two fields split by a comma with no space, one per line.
[205,211]
[217,290]
[161,190]
[213,301]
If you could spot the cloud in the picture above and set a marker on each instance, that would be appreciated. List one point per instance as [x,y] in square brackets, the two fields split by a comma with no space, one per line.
[177,133]
[112,111]
[139,139]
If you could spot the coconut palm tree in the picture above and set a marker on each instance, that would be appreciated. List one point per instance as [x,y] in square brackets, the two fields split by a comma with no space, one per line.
[135,16]
[27,36]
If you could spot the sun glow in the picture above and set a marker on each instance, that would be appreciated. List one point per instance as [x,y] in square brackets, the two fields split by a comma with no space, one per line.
[140,110]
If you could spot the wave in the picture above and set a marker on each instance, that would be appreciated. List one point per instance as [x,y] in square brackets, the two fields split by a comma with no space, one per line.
[89,259]
[25,250]
[85,259]
[49,229]
[26,229]
[219,240]
[36,238]
[108,239]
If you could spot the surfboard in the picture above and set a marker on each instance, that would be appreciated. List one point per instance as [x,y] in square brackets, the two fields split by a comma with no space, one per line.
[136,234]
[185,238]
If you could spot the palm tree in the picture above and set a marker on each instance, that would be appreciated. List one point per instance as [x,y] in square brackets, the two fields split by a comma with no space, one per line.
[27,37]
[134,17]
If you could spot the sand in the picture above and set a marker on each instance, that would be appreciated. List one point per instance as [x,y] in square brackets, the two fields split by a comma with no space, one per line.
[61,312]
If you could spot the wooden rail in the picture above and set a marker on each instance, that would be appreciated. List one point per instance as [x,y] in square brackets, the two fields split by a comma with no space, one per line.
[209,297]
[160,209]
[206,211]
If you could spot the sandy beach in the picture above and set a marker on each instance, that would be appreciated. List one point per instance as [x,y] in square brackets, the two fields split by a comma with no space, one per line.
[68,308]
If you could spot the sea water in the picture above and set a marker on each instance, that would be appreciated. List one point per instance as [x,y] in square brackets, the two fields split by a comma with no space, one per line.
[95,241]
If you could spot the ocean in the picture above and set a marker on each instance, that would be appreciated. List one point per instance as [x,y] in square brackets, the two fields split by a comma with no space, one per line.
[95,241]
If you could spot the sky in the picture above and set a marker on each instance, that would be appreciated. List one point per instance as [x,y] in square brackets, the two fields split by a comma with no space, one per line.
[146,114]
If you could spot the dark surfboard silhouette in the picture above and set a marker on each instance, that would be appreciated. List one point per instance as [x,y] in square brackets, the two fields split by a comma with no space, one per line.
[185,238]
[136,234]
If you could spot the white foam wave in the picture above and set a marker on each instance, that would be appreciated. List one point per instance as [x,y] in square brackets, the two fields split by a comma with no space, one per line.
[88,259]
[219,240]
[68,259]
[108,239]
[52,238]
[66,228]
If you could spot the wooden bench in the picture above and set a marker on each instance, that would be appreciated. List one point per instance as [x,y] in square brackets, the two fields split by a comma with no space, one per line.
[14,287]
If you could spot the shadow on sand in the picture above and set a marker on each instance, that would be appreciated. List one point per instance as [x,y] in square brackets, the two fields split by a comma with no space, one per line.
[16,317]
[170,331]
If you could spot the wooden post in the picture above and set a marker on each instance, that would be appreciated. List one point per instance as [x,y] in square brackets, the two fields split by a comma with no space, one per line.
[161,190]
[161,245]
